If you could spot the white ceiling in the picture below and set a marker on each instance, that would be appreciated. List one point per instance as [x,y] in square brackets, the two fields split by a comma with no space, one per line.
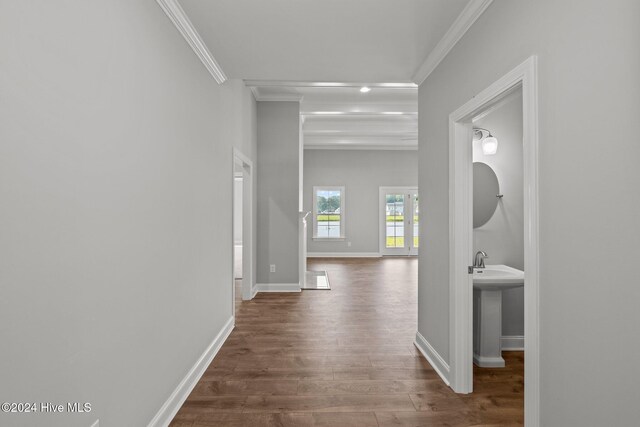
[303,49]
[322,40]
[384,118]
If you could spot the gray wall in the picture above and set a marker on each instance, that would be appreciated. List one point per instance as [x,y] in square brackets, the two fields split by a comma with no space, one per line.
[278,194]
[589,63]
[115,155]
[362,172]
[502,237]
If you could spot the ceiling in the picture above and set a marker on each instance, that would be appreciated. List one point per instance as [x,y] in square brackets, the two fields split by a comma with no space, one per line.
[317,51]
[322,40]
[344,117]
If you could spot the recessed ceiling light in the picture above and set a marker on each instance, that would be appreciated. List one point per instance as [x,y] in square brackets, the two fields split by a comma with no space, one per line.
[327,113]
[365,89]
[393,113]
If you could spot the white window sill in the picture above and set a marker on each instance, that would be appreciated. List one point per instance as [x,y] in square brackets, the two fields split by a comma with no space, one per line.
[329,239]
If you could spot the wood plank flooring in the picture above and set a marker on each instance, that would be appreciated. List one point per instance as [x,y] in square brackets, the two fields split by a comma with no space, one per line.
[343,357]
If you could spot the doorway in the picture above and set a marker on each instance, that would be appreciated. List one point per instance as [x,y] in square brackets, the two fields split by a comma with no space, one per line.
[524,78]
[243,230]
[399,221]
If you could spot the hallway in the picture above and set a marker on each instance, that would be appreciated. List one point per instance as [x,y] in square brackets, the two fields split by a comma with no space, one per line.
[343,357]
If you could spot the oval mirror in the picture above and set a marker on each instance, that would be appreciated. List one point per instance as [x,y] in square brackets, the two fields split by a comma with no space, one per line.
[485,193]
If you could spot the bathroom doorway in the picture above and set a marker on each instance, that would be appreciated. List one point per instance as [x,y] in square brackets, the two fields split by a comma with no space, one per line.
[519,82]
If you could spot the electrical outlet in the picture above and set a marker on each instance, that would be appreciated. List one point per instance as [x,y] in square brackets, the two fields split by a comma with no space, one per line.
[349,244]
[272,268]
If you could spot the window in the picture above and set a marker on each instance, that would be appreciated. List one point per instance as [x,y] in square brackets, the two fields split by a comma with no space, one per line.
[328,212]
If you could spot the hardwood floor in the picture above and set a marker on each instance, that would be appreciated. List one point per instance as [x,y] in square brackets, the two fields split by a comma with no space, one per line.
[343,357]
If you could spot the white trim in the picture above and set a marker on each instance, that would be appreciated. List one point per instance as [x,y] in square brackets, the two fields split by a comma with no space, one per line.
[460,26]
[386,114]
[495,106]
[182,22]
[277,97]
[255,92]
[343,255]
[297,83]
[412,147]
[432,356]
[171,406]
[524,76]
[488,362]
[254,292]
[512,342]
[278,287]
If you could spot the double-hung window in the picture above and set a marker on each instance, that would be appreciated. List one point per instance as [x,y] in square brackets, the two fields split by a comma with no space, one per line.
[328,212]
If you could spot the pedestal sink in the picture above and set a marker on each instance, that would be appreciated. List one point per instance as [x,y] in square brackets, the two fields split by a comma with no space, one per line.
[488,284]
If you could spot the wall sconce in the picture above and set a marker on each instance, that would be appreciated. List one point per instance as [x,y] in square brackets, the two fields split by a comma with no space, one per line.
[489,142]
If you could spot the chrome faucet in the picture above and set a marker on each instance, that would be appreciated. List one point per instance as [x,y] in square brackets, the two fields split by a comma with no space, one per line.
[479,261]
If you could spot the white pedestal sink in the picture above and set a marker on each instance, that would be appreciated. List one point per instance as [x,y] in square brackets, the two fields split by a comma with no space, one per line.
[488,284]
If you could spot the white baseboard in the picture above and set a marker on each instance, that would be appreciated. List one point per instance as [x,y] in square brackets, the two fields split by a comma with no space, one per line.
[488,362]
[169,409]
[432,356]
[343,255]
[254,291]
[512,342]
[278,287]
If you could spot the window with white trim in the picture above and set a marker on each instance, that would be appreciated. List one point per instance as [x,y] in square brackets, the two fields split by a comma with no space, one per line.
[328,212]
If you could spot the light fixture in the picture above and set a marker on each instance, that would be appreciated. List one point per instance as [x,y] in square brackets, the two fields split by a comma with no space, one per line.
[365,89]
[489,142]
[489,145]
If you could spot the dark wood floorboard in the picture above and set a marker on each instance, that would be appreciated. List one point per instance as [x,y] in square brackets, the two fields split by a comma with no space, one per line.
[341,358]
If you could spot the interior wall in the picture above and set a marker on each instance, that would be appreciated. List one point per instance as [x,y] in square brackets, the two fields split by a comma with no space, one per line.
[115,165]
[502,237]
[278,193]
[362,173]
[589,102]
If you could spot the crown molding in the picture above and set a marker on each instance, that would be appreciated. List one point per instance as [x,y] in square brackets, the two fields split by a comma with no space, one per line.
[275,96]
[182,22]
[460,26]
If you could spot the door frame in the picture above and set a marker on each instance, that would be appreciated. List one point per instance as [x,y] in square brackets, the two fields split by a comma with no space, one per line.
[382,244]
[248,286]
[524,76]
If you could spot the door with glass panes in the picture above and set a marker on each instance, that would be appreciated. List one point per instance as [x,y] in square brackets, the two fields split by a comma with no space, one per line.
[399,221]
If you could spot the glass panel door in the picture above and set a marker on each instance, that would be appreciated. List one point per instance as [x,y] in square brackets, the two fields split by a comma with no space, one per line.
[394,220]
[398,221]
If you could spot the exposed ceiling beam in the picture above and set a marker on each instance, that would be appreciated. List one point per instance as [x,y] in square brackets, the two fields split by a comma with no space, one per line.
[294,84]
[460,26]
[377,114]
[390,147]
